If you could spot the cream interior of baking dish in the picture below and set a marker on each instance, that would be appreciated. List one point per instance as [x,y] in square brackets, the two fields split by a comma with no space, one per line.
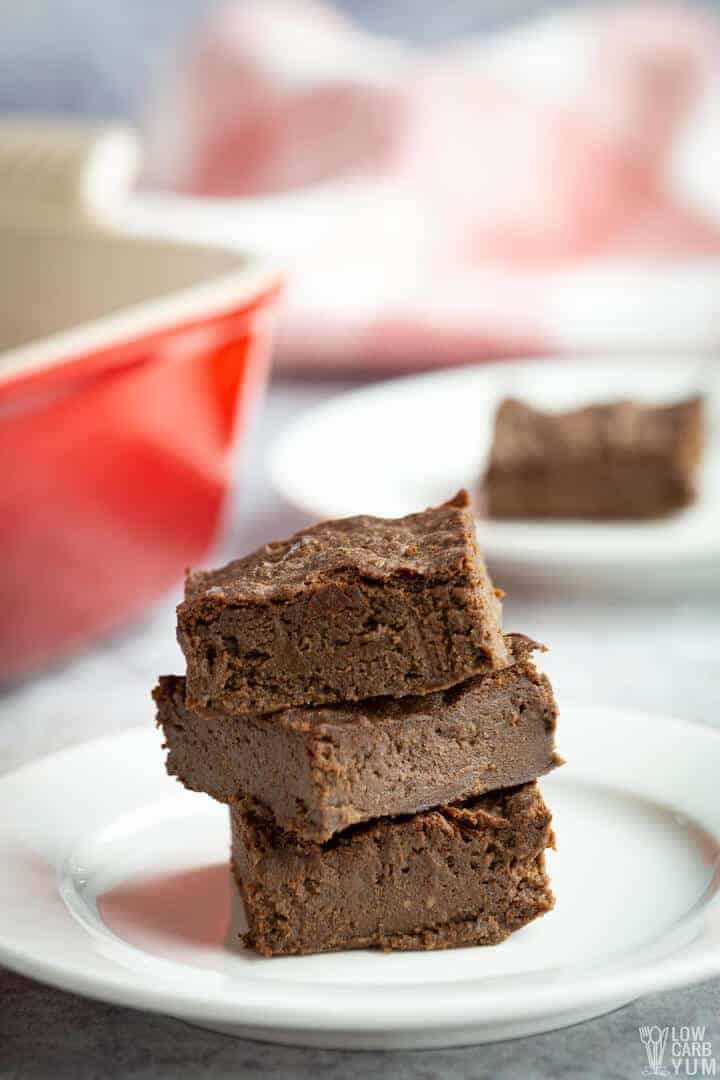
[55,280]
[75,279]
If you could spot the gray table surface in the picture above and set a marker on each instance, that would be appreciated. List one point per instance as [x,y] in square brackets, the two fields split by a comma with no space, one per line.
[658,655]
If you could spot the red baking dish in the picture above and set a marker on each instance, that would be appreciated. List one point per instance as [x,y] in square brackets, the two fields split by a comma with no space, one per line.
[128,367]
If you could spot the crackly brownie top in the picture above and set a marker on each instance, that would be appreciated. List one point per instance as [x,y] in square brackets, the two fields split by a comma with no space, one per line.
[437,544]
[524,435]
[516,807]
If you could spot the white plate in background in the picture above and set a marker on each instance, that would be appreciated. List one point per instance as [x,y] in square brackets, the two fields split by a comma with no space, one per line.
[115,885]
[402,445]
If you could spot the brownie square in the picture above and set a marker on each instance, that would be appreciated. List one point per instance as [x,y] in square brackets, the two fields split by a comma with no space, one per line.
[463,875]
[346,610]
[621,460]
[319,770]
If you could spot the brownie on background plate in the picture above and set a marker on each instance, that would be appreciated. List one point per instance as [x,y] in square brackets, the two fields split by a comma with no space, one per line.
[454,875]
[342,611]
[319,770]
[613,461]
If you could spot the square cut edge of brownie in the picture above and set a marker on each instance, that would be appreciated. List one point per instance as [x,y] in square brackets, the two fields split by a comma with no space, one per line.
[321,769]
[342,611]
[455,875]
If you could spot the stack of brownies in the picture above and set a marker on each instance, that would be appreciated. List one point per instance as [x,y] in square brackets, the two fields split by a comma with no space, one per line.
[351,696]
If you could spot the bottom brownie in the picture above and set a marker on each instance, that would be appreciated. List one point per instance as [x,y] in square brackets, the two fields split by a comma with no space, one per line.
[469,874]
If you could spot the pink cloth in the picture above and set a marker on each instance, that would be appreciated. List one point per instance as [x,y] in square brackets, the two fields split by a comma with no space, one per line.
[552,188]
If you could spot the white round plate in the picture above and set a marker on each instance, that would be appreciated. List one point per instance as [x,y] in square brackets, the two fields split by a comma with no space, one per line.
[400,446]
[114,884]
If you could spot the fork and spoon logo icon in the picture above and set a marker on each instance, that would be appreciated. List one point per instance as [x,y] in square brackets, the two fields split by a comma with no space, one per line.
[654,1039]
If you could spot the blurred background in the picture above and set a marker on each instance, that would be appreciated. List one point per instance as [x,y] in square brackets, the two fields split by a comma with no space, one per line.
[84,57]
[437,184]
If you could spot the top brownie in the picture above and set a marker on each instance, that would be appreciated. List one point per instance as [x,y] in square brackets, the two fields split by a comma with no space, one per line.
[615,460]
[345,610]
